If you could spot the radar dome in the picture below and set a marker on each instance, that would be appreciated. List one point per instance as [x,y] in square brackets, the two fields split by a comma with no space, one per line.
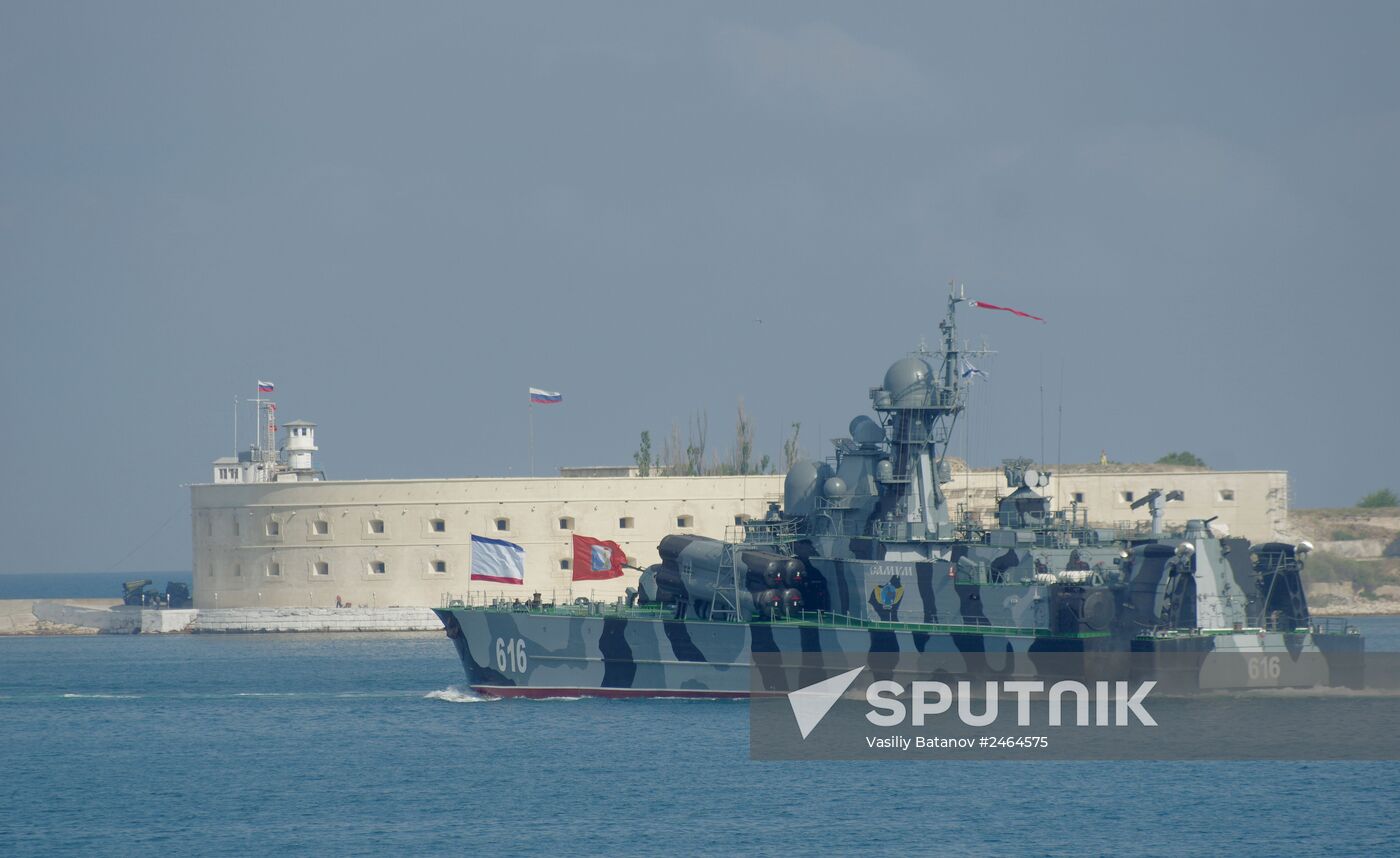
[884,471]
[804,480]
[835,487]
[866,431]
[907,381]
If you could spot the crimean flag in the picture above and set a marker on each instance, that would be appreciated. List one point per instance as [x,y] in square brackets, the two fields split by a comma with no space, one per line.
[497,560]
[597,559]
[545,397]
[265,386]
[985,306]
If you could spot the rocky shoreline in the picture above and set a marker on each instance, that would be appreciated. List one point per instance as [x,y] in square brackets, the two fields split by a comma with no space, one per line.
[1345,600]
[20,617]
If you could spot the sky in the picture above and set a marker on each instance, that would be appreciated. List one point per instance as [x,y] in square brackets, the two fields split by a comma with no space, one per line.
[407,214]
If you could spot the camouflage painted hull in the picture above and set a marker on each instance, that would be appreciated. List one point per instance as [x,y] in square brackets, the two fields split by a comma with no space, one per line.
[545,654]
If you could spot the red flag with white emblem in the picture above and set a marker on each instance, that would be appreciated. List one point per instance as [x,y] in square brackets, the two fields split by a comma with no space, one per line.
[597,559]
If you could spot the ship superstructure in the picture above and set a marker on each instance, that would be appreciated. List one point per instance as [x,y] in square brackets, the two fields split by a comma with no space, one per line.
[864,555]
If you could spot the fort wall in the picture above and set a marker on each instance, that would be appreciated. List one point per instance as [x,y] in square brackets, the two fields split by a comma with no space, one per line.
[407,543]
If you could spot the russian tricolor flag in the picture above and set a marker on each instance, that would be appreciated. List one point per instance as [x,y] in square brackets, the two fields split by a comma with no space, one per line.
[265,386]
[545,397]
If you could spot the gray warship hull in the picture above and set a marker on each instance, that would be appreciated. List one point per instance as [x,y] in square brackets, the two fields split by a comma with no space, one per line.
[606,651]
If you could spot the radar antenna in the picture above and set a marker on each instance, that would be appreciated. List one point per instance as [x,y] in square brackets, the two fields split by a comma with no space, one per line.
[1158,501]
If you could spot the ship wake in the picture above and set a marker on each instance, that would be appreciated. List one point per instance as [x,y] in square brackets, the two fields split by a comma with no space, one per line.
[453,694]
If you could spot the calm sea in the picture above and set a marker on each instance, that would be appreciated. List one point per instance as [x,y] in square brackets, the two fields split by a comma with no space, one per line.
[364,745]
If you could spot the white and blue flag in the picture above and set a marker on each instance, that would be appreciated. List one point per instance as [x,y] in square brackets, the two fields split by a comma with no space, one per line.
[968,370]
[497,560]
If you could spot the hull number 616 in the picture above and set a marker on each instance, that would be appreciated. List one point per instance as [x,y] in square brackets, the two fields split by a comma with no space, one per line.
[1260,667]
[510,655]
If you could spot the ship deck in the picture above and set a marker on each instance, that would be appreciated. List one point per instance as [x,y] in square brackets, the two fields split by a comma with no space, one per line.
[813,619]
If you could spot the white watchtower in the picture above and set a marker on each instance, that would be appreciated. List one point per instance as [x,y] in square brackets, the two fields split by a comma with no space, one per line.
[301,443]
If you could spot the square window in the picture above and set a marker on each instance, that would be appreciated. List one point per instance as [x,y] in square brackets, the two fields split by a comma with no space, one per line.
[566,522]
[377,567]
[1127,497]
[376,525]
[625,522]
[274,528]
[321,568]
[238,570]
[321,527]
[274,570]
[440,567]
[503,524]
[566,565]
[1227,494]
[438,525]
[685,521]
[1079,497]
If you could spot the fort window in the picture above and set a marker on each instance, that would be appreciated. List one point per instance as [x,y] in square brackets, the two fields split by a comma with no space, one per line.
[566,522]
[741,518]
[440,567]
[685,521]
[274,528]
[238,570]
[503,524]
[1079,497]
[274,570]
[438,525]
[377,567]
[236,529]
[321,528]
[625,522]
[376,525]
[566,565]
[321,568]
[1127,497]
[1227,494]
[208,525]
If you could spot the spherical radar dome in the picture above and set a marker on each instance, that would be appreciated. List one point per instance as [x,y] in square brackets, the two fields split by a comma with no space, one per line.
[835,487]
[866,431]
[907,381]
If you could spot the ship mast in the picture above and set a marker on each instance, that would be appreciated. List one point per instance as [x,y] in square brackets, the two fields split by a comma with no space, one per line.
[919,406]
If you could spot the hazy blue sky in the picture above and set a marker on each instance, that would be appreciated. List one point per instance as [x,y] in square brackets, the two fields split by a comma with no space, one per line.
[406,214]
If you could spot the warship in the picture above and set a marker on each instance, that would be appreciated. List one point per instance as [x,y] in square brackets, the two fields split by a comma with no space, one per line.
[865,558]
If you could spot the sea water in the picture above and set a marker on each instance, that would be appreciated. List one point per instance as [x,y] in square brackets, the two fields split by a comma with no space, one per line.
[343,744]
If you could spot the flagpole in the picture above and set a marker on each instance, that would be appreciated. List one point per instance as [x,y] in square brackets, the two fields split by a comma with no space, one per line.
[531,408]
[257,420]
